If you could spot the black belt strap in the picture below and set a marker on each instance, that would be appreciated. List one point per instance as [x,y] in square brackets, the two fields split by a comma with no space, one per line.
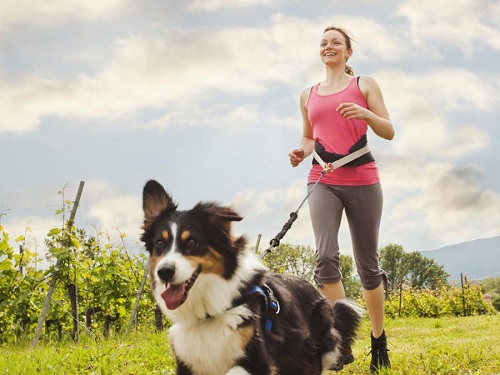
[331,157]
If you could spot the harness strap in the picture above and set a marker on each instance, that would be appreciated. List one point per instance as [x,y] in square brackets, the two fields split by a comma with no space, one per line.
[342,161]
[271,304]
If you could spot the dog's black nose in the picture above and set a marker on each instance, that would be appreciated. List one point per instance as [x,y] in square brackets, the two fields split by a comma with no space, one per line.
[166,272]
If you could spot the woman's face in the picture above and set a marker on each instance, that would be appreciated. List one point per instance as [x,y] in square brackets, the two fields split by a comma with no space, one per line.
[333,48]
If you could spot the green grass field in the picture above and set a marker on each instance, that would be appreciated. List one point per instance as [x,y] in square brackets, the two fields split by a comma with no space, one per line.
[418,346]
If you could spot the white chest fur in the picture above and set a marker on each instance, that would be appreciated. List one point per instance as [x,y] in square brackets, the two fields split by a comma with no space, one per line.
[209,347]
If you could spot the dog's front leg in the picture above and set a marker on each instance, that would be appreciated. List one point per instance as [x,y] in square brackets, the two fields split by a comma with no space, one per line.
[238,370]
[182,369]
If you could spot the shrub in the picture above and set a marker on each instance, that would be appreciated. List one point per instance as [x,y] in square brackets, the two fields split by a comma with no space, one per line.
[444,301]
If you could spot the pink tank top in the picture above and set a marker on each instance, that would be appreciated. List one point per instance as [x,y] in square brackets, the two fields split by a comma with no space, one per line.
[337,135]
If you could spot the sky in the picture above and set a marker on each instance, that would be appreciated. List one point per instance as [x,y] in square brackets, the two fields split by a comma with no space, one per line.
[203,96]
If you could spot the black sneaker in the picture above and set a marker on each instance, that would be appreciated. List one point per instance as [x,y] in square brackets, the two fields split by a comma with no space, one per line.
[379,352]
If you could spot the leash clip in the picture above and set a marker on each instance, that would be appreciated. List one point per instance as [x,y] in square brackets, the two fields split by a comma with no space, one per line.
[272,302]
[328,167]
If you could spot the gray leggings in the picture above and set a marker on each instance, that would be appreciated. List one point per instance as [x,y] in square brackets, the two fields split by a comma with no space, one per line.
[363,208]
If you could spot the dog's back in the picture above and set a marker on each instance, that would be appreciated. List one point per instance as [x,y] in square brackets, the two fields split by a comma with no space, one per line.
[308,333]
[229,315]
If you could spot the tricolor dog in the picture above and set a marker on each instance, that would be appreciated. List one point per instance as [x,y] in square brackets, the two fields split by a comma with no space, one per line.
[229,314]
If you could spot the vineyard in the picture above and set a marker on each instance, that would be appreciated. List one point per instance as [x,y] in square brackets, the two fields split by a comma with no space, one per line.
[86,285]
[95,290]
[98,284]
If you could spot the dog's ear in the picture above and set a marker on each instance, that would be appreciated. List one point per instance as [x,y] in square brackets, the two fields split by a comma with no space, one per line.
[155,200]
[226,214]
[217,214]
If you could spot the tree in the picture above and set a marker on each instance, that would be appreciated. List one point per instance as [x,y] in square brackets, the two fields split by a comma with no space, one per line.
[413,268]
[301,260]
[393,262]
[294,260]
[492,286]
[352,286]
[424,272]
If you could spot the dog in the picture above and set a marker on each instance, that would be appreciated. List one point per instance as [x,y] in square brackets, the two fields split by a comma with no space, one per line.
[229,314]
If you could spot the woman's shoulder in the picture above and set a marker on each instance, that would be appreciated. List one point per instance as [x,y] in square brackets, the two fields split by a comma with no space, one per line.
[366,80]
[304,95]
[367,84]
[308,89]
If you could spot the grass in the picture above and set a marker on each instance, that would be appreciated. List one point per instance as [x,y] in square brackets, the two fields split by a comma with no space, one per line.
[444,346]
[418,346]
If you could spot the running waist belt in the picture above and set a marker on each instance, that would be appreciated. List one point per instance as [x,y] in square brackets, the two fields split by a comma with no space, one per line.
[331,157]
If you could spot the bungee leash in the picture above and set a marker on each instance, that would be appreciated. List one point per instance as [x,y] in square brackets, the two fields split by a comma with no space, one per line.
[327,167]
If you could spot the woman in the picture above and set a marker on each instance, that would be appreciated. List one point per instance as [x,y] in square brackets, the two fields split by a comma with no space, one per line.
[336,115]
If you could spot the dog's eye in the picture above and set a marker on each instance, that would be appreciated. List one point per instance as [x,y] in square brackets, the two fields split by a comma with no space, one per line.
[158,245]
[192,245]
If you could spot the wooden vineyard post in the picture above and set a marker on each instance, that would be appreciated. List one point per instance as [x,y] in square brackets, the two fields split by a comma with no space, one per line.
[53,279]
[137,300]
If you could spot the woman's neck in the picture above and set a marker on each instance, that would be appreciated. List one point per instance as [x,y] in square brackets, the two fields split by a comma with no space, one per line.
[335,75]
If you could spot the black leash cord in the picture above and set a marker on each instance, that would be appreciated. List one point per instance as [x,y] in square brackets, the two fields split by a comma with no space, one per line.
[275,242]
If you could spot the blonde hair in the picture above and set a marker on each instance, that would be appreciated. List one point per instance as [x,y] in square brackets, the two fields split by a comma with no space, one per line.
[348,42]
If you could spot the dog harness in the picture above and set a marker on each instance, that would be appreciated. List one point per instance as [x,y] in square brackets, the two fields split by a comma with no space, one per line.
[271,304]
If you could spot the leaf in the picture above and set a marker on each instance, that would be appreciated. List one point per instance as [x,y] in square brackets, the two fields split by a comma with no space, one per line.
[21,238]
[75,242]
[54,231]
[6,264]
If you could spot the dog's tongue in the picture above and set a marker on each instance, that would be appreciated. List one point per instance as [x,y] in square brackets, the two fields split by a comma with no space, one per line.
[173,295]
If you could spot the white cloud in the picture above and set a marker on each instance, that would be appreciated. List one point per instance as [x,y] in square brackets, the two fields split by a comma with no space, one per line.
[178,75]
[449,89]
[251,202]
[465,24]
[438,203]
[33,228]
[113,212]
[425,109]
[148,72]
[233,117]
[216,5]
[54,12]
[374,41]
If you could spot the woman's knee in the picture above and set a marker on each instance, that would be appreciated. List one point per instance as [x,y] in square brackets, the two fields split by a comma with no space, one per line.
[328,268]
[371,280]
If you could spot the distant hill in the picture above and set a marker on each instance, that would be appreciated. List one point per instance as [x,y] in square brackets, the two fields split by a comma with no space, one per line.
[478,259]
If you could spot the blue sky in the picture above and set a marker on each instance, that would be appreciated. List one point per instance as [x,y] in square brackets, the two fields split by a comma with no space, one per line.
[203,96]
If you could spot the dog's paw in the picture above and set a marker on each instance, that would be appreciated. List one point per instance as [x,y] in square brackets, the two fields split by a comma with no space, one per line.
[238,370]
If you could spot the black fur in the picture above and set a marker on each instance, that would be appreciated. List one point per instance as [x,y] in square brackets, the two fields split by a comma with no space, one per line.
[307,334]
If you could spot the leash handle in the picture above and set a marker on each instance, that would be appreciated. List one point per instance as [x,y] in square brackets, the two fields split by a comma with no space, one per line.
[276,240]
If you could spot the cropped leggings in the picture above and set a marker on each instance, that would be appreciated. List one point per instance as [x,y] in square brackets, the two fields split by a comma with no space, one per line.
[363,208]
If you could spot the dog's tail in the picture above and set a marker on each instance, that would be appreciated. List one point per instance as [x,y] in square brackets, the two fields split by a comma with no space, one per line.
[348,316]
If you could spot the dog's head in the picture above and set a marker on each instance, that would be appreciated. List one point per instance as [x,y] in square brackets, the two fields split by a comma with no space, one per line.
[186,245]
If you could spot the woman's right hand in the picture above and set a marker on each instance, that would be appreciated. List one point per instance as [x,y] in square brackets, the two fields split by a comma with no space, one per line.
[296,156]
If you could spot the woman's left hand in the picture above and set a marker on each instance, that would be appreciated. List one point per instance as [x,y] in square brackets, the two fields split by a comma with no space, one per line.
[352,111]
